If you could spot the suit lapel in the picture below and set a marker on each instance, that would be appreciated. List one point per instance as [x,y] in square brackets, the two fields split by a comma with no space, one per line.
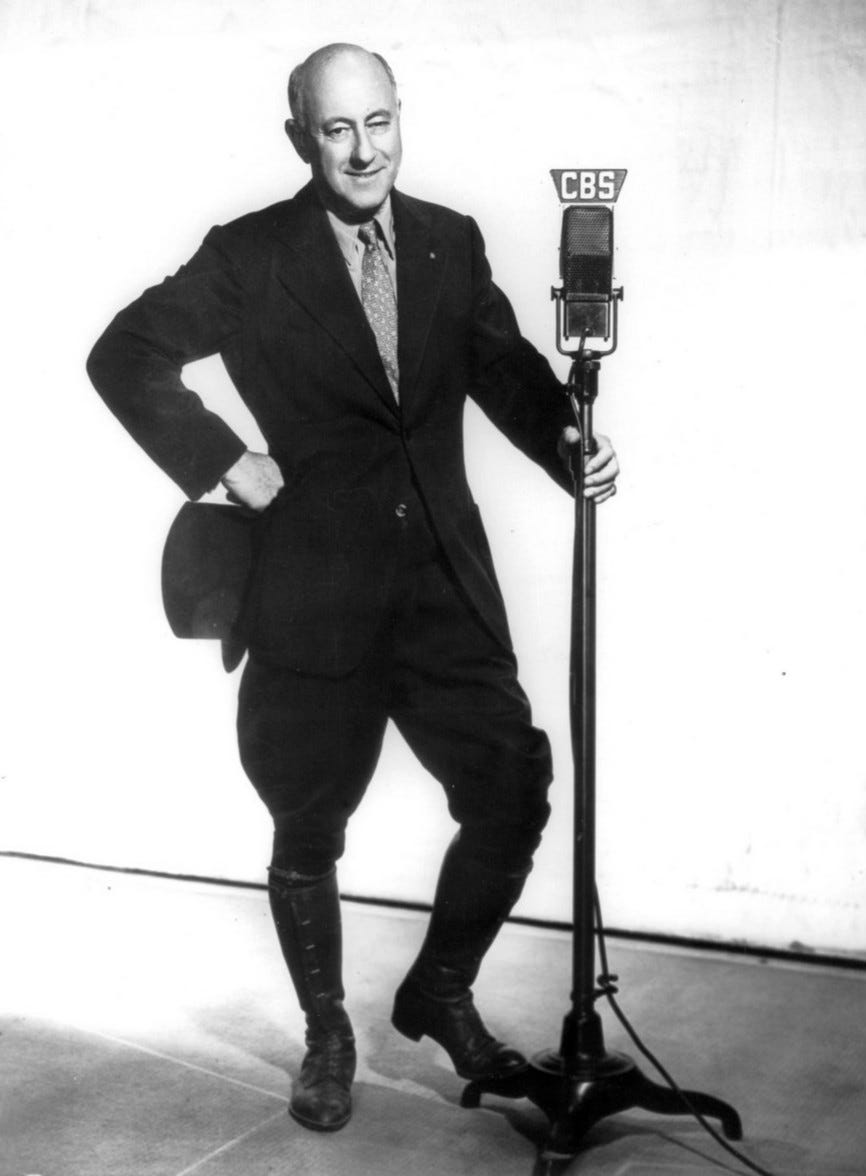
[420,267]
[313,271]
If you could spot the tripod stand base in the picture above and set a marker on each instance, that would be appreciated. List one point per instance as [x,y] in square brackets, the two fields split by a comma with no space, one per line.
[575,1101]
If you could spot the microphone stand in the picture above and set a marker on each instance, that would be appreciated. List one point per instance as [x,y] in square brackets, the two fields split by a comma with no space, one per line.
[581,1082]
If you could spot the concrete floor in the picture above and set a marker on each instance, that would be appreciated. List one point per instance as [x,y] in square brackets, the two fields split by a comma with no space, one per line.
[147,1029]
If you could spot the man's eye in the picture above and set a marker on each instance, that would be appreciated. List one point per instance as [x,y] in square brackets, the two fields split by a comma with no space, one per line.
[337,132]
[379,126]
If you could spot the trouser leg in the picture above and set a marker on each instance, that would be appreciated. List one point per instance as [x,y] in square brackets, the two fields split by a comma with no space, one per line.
[309,746]
[458,702]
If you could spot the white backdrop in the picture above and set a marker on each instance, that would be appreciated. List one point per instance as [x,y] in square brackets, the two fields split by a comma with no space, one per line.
[732,565]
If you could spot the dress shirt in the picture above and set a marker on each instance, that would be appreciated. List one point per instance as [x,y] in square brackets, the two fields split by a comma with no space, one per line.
[352,248]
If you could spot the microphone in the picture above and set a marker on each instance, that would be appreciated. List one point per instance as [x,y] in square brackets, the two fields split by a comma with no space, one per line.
[586,301]
[586,270]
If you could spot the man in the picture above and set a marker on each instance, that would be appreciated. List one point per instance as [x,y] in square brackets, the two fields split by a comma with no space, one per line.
[354,321]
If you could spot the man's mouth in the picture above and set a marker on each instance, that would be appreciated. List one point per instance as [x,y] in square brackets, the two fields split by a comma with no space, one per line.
[366,175]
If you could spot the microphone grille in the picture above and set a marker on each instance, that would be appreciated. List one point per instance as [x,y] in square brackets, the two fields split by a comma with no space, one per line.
[586,252]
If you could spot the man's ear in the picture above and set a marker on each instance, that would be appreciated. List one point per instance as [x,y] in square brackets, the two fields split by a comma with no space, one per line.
[298,138]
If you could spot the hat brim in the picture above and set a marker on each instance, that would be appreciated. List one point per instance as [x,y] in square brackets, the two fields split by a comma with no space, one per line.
[206,565]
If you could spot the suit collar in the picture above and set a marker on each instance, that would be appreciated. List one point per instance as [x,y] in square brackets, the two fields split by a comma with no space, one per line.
[347,235]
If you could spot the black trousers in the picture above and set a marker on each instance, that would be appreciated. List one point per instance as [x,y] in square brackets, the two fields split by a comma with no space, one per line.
[310,744]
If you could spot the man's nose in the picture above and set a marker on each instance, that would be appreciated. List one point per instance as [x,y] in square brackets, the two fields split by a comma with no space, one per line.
[363,151]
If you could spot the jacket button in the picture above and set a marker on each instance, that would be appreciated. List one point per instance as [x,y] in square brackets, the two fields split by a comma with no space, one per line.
[401,511]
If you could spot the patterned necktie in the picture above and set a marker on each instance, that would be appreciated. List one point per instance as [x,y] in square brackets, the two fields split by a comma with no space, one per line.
[380,305]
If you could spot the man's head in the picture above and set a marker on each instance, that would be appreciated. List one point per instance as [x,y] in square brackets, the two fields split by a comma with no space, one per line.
[346,125]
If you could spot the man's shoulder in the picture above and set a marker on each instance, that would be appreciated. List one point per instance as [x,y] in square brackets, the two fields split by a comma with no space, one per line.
[259,219]
[264,221]
[247,241]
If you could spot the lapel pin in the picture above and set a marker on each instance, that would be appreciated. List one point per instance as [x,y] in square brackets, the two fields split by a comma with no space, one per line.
[432,256]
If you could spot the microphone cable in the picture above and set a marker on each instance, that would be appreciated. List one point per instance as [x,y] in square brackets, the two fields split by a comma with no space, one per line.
[607,987]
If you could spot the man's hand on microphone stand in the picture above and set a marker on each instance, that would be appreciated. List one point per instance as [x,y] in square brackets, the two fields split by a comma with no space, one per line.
[600,470]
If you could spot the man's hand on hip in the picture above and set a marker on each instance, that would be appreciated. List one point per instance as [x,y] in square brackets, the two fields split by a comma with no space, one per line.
[254,480]
[600,470]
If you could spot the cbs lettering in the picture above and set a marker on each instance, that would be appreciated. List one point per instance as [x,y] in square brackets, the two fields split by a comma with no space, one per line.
[579,185]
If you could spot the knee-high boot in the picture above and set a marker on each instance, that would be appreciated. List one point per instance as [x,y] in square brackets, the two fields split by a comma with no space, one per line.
[471,904]
[306,913]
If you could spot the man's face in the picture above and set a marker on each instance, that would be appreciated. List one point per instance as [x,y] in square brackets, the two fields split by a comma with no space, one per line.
[352,138]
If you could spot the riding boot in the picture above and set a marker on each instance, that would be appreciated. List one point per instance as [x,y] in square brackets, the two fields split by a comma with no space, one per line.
[471,904]
[306,912]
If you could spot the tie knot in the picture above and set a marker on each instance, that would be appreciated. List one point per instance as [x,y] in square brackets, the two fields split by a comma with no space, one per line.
[367,234]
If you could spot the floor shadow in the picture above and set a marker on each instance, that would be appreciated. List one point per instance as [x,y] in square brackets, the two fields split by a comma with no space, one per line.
[533,1125]
[276,1041]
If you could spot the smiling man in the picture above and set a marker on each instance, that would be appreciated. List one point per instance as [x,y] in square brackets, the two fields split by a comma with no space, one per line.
[354,321]
[346,126]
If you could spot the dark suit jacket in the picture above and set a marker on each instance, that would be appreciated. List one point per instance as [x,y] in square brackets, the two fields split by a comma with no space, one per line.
[272,294]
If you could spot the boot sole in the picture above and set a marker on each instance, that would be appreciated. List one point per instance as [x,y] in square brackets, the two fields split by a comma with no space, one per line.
[314,1125]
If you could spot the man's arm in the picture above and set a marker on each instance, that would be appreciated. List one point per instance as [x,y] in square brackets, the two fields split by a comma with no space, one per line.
[136,368]
[519,392]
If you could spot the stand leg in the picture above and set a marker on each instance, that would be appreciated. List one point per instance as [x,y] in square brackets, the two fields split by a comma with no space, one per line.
[575,1102]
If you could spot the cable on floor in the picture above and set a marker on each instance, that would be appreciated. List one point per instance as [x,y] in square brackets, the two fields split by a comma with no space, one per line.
[607,987]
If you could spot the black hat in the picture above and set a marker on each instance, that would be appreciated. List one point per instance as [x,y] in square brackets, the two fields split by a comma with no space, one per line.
[206,565]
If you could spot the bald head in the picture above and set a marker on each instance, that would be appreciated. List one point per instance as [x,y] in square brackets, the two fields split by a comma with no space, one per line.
[304,77]
[346,125]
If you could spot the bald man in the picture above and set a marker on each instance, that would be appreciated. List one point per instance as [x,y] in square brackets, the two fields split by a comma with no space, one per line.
[354,321]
